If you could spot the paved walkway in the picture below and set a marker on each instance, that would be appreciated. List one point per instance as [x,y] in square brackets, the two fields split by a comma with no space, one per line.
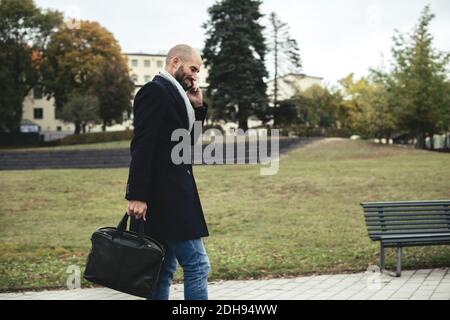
[432,284]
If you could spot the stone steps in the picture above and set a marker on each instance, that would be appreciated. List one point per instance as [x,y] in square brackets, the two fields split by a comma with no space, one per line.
[112,158]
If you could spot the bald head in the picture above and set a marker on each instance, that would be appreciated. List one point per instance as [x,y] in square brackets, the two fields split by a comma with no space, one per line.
[184,63]
[184,53]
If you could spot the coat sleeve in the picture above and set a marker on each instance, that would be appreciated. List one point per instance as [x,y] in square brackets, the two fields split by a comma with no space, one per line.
[200,116]
[149,113]
[200,113]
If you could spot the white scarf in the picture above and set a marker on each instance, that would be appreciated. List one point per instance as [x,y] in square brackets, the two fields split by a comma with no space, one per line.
[189,108]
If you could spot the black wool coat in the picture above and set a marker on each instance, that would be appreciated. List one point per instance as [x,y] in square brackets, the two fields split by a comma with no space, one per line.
[174,208]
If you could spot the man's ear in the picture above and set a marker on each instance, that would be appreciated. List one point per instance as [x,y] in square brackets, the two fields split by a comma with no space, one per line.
[176,61]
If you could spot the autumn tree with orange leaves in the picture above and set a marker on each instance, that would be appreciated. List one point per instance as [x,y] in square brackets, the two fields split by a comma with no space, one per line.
[87,60]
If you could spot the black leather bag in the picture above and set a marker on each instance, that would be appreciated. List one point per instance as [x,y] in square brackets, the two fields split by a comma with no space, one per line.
[125,261]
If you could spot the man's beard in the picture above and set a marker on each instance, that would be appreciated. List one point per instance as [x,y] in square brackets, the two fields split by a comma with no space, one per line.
[180,76]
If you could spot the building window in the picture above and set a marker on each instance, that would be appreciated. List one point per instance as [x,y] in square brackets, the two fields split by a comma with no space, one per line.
[160,64]
[37,93]
[148,79]
[134,63]
[59,129]
[38,113]
[147,63]
[134,78]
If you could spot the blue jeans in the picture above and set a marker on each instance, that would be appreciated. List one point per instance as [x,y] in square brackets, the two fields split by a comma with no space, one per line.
[192,257]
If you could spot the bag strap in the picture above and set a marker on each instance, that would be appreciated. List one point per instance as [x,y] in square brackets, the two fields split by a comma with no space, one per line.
[122,227]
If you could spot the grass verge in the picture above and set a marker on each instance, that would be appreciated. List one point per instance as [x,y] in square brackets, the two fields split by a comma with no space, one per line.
[304,220]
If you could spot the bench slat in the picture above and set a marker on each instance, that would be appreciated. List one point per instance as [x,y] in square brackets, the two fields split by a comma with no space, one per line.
[415,244]
[406,218]
[382,224]
[411,243]
[403,242]
[439,234]
[417,241]
[406,203]
[406,210]
[398,240]
[407,214]
[415,238]
[409,232]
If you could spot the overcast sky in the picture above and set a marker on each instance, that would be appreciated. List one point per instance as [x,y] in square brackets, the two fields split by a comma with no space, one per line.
[336,37]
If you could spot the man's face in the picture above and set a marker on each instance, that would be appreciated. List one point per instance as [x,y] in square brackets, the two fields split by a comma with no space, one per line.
[187,74]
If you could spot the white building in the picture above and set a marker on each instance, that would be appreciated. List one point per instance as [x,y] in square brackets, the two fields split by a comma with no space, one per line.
[291,84]
[41,112]
[144,67]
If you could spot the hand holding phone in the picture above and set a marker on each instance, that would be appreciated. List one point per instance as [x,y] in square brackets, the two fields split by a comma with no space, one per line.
[195,96]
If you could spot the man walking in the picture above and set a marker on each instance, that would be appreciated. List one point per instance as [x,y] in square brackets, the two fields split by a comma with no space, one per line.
[159,192]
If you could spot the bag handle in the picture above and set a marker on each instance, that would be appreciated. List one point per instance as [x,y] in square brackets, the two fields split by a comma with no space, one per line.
[122,227]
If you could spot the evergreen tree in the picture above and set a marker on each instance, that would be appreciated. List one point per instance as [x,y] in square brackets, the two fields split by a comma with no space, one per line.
[235,52]
[417,83]
[284,51]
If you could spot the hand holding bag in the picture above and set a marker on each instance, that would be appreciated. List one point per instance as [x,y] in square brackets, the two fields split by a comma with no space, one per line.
[125,261]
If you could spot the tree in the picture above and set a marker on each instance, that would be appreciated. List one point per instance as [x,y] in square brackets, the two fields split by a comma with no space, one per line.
[444,124]
[75,60]
[417,81]
[24,33]
[286,113]
[316,107]
[235,53]
[323,107]
[367,107]
[80,109]
[285,52]
[114,90]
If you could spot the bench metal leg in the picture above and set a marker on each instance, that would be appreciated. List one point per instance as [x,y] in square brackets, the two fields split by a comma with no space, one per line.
[381,257]
[399,262]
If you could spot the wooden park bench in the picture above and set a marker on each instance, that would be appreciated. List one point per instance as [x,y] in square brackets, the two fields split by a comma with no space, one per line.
[407,224]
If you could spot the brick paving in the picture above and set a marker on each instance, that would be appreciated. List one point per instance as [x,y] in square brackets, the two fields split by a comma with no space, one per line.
[429,284]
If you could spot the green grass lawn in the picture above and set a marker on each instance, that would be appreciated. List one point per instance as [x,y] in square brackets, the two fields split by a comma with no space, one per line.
[305,220]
